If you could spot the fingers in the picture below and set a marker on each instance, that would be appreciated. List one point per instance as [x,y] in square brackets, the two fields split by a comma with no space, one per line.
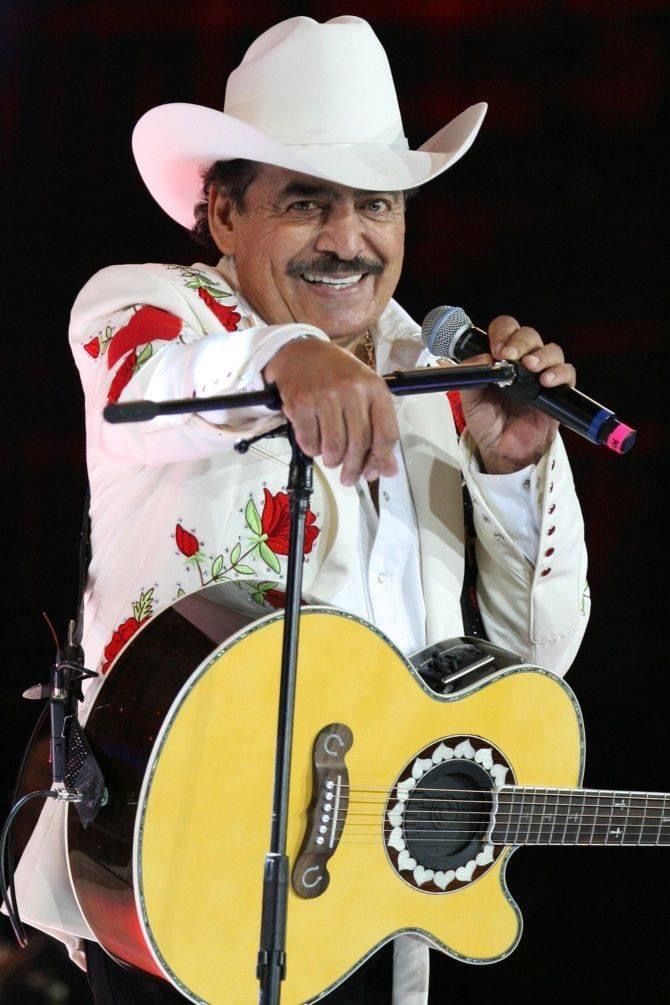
[338,408]
[510,340]
[362,436]
[549,363]
[380,459]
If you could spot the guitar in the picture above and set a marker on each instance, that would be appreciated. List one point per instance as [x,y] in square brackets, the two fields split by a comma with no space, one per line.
[405,804]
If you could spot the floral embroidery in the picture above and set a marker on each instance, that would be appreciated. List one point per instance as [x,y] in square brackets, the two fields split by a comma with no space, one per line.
[133,341]
[142,610]
[187,543]
[148,324]
[227,315]
[276,524]
[276,598]
[268,538]
[131,364]
[97,346]
[211,295]
[457,410]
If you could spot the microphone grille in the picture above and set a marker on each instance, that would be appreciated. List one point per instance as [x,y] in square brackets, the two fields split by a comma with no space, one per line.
[441,329]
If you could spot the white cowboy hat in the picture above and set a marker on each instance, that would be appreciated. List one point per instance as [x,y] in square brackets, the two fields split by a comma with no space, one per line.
[310,97]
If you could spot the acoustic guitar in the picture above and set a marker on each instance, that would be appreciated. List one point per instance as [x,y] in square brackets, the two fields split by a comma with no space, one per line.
[405,803]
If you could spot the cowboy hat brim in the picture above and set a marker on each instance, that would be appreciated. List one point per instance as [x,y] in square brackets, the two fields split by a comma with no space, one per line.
[173,144]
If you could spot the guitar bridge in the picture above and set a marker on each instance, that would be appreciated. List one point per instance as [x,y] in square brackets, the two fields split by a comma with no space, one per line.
[327,811]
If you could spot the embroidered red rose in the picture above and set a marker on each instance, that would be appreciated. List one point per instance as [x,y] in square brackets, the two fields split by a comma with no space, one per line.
[148,324]
[276,521]
[125,631]
[187,543]
[457,410]
[122,377]
[228,316]
[93,347]
[276,598]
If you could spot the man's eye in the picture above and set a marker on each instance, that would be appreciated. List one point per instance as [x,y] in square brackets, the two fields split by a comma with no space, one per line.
[377,206]
[303,205]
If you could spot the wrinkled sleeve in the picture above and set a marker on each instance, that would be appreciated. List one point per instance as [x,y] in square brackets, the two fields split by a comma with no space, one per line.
[136,336]
[539,608]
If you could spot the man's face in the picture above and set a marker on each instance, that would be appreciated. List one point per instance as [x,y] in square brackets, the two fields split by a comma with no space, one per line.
[313,251]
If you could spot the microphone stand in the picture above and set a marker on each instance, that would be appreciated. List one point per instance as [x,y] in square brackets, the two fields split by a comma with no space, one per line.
[271,963]
[428,380]
[271,966]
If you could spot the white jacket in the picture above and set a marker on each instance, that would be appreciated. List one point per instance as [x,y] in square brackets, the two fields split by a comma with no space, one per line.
[174,508]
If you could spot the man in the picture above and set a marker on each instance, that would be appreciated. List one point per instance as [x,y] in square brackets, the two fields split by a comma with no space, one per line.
[306,175]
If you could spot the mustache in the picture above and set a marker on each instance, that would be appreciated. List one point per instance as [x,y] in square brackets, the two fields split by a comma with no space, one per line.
[331,265]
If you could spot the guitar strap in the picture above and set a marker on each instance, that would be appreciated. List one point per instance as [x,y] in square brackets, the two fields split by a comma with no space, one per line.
[83,563]
[472,619]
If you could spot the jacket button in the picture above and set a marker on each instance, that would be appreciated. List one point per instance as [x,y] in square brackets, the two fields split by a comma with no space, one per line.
[545,572]
[550,531]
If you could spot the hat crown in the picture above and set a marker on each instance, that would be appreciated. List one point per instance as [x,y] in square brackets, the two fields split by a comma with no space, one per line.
[302,82]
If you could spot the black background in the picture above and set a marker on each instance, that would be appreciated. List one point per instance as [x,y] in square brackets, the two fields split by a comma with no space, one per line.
[554,216]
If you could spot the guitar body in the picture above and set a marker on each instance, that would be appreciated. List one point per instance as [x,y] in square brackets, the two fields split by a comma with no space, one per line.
[169,875]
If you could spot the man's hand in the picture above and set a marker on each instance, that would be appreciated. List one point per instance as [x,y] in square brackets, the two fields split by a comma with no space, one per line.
[510,436]
[338,407]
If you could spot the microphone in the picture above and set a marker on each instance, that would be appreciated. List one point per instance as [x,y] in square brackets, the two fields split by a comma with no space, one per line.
[449,333]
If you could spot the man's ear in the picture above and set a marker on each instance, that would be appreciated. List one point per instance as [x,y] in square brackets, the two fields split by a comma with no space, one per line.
[221,223]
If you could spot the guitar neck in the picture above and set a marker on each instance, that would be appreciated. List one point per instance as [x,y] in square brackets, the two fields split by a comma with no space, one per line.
[535,816]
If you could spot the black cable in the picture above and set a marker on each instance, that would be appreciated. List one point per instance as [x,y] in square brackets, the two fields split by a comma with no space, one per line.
[76,662]
[11,863]
[10,899]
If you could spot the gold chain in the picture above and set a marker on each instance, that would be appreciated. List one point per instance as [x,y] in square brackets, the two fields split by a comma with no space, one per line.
[369,347]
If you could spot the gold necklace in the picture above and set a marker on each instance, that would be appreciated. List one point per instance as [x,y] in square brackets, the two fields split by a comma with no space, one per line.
[369,347]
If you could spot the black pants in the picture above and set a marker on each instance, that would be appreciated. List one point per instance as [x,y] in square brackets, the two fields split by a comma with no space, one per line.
[113,984]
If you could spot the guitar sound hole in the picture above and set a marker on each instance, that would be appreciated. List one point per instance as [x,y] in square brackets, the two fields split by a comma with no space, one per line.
[447,815]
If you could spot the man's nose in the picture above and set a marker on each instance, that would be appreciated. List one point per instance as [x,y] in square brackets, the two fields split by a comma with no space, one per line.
[342,232]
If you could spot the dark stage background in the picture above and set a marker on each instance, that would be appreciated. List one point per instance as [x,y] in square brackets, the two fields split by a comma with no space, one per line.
[553,216]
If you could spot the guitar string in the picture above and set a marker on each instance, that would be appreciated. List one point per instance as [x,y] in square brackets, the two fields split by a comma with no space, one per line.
[563,830]
[366,840]
[531,818]
[508,795]
[466,836]
[451,804]
[648,827]
[507,814]
[505,798]
[513,789]
[591,817]
[467,816]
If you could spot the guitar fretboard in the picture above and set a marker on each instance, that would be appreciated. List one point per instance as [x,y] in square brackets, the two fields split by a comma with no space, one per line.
[534,816]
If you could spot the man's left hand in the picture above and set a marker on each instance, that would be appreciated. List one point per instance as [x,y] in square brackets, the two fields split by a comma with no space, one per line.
[509,435]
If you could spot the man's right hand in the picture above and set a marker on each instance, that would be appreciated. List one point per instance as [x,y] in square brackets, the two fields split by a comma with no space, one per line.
[338,407]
